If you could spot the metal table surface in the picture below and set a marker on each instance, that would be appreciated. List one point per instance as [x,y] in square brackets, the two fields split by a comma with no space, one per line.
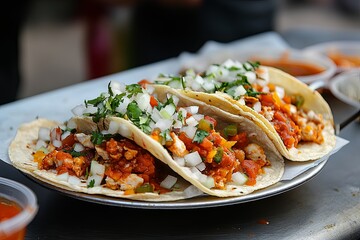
[326,207]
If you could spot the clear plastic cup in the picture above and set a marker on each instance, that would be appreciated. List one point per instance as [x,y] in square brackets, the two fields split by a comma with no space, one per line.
[15,227]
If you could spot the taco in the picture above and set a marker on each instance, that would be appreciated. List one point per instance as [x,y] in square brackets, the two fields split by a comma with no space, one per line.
[296,118]
[218,153]
[82,159]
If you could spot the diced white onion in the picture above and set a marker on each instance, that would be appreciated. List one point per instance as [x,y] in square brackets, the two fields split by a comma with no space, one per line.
[124,131]
[192,191]
[177,124]
[251,77]
[165,114]
[280,92]
[191,121]
[180,161]
[168,182]
[74,180]
[198,117]
[192,109]
[78,147]
[208,86]
[176,84]
[164,124]
[78,110]
[170,108]
[143,101]
[44,134]
[201,166]
[241,101]
[239,91]
[155,115]
[122,108]
[175,100]
[90,109]
[189,131]
[192,159]
[97,168]
[104,132]
[239,178]
[209,183]
[257,107]
[55,135]
[150,89]
[56,143]
[97,172]
[113,127]
[65,135]
[196,84]
[63,176]
[116,87]
[39,144]
[293,109]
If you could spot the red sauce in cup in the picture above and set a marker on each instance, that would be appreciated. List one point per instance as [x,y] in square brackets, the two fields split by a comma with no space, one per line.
[9,209]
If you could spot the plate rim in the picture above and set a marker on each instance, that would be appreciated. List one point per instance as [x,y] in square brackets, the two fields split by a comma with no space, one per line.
[205,201]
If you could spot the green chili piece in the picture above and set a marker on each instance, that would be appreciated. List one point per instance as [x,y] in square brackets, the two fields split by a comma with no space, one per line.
[147,187]
[230,130]
[219,154]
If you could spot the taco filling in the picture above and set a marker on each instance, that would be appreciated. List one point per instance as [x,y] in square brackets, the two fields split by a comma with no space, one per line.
[110,160]
[213,156]
[249,85]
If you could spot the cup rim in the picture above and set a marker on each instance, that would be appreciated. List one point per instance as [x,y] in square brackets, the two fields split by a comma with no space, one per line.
[28,212]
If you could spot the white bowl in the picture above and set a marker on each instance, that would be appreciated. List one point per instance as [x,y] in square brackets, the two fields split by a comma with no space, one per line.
[266,53]
[346,87]
[299,59]
[341,49]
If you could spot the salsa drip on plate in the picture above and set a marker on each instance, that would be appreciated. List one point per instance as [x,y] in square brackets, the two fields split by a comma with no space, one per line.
[248,83]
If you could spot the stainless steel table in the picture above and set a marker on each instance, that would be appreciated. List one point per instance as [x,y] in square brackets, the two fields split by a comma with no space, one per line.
[326,207]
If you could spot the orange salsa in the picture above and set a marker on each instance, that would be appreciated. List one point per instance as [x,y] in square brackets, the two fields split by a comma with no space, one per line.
[294,68]
[343,60]
[8,209]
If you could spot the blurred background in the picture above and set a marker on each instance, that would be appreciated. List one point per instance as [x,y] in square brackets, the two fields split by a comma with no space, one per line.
[66,42]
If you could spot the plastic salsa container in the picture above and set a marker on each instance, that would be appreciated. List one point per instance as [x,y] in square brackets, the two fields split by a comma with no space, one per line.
[20,203]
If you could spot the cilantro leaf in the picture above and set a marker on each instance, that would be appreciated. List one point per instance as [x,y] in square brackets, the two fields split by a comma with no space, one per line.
[200,135]
[133,89]
[91,183]
[133,111]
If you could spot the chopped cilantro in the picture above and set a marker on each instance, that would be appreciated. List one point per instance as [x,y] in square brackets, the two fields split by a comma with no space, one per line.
[74,153]
[97,138]
[95,101]
[91,183]
[133,89]
[133,111]
[200,135]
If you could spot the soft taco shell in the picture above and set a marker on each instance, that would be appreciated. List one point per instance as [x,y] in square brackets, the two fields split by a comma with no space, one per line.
[305,151]
[256,135]
[22,147]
